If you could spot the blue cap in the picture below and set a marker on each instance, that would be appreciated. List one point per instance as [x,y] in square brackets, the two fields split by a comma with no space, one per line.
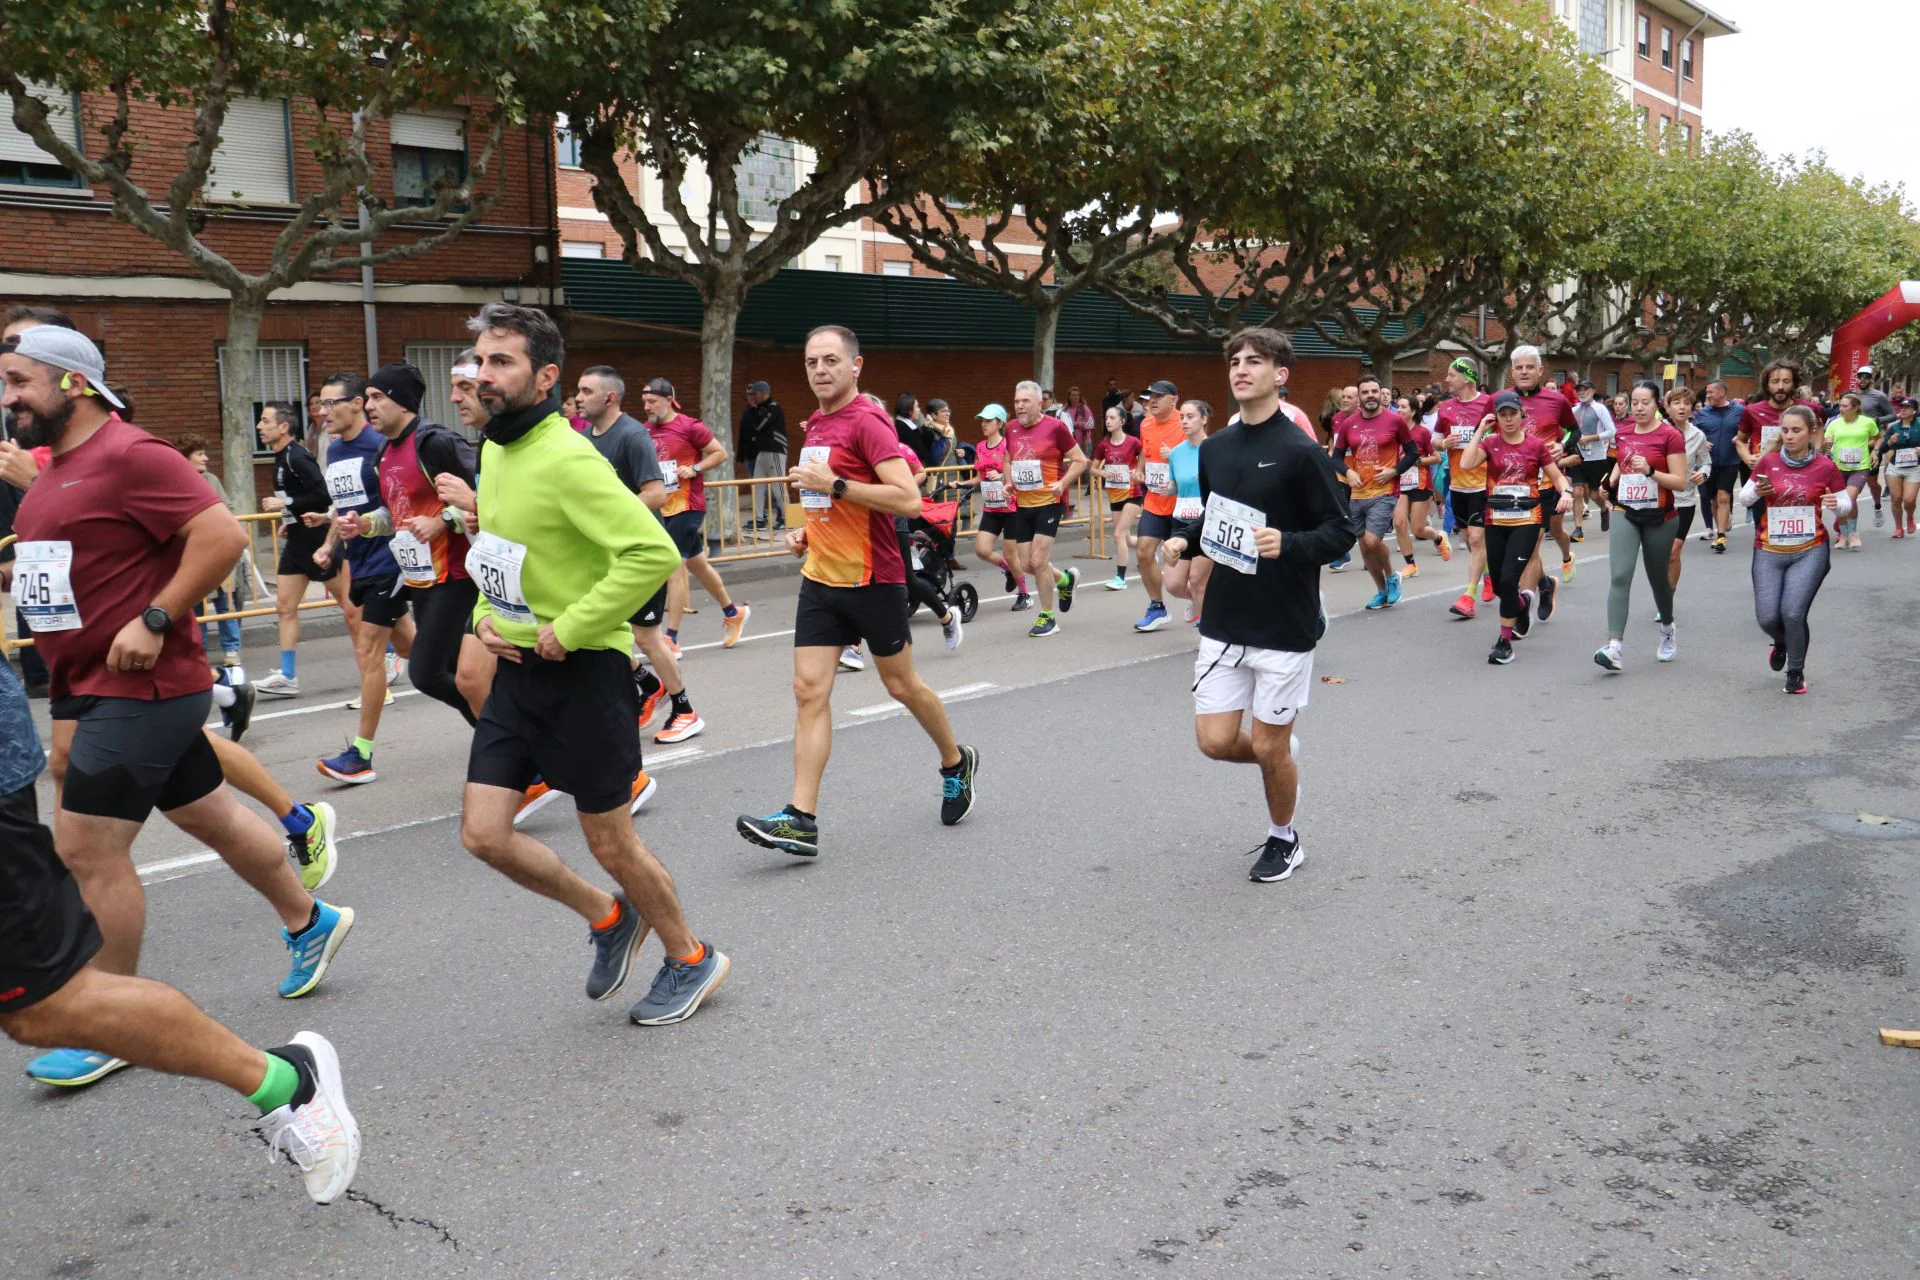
[1508,399]
[995,411]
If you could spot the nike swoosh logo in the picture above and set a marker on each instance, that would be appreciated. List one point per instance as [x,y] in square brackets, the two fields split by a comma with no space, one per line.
[68,484]
[1269,464]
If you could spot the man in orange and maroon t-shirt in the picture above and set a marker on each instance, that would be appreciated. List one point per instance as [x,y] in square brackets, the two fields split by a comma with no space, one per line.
[1550,420]
[687,451]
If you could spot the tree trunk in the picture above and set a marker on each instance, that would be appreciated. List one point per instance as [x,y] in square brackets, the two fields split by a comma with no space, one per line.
[236,399]
[1046,323]
[718,324]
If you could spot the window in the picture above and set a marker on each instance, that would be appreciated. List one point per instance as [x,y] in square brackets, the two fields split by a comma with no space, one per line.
[566,143]
[1686,57]
[833,262]
[279,373]
[1641,30]
[766,174]
[1686,136]
[1666,127]
[582,249]
[1592,25]
[1666,47]
[22,162]
[1613,383]
[1640,115]
[254,162]
[896,267]
[435,362]
[1018,274]
[429,148]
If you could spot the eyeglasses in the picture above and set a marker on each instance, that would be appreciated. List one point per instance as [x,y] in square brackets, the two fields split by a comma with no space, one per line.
[328,404]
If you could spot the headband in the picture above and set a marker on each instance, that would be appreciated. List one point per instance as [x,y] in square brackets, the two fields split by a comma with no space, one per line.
[1464,367]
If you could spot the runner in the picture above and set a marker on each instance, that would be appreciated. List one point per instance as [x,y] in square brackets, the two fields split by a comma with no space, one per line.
[1186,579]
[1415,499]
[1514,462]
[300,495]
[1900,446]
[687,451]
[1372,447]
[1850,442]
[919,590]
[1349,407]
[1792,485]
[353,479]
[1760,417]
[1596,442]
[1652,467]
[1549,419]
[852,481]
[1118,457]
[1876,405]
[1719,418]
[1044,463]
[997,506]
[1262,613]
[1699,471]
[116,543]
[627,445]
[563,558]
[1160,435]
[1456,418]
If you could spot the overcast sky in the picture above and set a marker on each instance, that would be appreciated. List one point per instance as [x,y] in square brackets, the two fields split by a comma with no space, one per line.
[1852,86]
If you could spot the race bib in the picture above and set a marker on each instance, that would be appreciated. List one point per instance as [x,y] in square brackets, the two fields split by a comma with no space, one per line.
[345,484]
[415,559]
[1461,436]
[1906,457]
[43,586]
[1792,526]
[286,516]
[815,499]
[993,492]
[1026,473]
[1409,479]
[1159,478]
[1512,504]
[1638,491]
[495,564]
[1853,457]
[1187,508]
[1118,475]
[1226,535]
[1769,438]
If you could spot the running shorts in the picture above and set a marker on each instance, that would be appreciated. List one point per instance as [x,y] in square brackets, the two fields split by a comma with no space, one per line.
[1373,515]
[654,611]
[1722,479]
[1469,507]
[1857,480]
[1594,472]
[1234,677]
[1028,523]
[1154,525]
[1417,495]
[1117,505]
[46,932]
[573,724]
[685,529]
[131,756]
[381,598]
[835,617]
[995,523]
[297,545]
[1686,522]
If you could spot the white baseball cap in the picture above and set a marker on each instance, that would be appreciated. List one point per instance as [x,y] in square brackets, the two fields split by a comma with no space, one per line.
[71,350]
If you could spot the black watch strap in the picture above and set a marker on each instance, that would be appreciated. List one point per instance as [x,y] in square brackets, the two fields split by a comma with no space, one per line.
[157,620]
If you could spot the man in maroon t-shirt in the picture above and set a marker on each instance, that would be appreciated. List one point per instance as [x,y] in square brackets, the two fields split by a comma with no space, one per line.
[119,537]
[1550,420]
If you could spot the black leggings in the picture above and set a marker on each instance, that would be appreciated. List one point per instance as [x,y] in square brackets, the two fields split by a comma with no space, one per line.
[440,617]
[917,589]
[1509,547]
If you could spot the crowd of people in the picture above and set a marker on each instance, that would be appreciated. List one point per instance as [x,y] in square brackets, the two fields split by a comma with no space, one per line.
[535,587]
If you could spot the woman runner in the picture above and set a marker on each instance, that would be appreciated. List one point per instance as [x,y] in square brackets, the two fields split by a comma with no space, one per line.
[1699,467]
[1515,462]
[1187,579]
[1790,488]
[1415,501]
[1850,442]
[1900,446]
[996,499]
[1651,468]
[1117,458]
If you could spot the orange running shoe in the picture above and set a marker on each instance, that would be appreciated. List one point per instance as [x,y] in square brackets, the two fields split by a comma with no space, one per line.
[681,727]
[643,789]
[674,645]
[734,625]
[538,796]
[650,704]
[1486,588]
[1463,607]
[1410,571]
[1444,545]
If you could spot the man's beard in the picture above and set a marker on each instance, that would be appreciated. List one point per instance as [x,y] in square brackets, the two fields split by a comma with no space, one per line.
[526,399]
[33,430]
[1780,397]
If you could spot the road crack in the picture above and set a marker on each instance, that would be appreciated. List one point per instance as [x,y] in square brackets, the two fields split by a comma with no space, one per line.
[398,1221]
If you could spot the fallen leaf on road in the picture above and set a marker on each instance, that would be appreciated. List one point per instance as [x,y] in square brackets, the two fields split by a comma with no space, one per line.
[1872,819]
[1333,679]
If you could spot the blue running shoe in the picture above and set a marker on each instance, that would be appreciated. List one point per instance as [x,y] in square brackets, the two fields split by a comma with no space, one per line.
[73,1068]
[786,831]
[1393,590]
[1153,619]
[1339,565]
[314,950]
[348,766]
[1379,600]
[679,988]
[1068,580]
[1045,625]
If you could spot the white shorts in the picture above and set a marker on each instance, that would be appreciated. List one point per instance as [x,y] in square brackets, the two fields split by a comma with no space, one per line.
[1234,677]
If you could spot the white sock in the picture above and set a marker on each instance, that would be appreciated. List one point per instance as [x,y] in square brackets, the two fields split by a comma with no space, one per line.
[223,696]
[1280,833]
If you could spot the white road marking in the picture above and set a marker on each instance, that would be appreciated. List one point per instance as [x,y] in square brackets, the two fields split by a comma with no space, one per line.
[945,695]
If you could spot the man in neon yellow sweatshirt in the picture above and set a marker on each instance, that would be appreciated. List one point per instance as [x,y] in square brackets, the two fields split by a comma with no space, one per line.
[564,555]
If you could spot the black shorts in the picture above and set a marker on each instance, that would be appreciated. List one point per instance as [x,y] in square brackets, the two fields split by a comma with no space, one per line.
[1417,495]
[1117,505]
[1723,479]
[685,530]
[380,597]
[573,724]
[297,545]
[835,617]
[1686,522]
[1154,525]
[1029,523]
[1469,507]
[995,523]
[46,932]
[1593,474]
[130,756]
[654,611]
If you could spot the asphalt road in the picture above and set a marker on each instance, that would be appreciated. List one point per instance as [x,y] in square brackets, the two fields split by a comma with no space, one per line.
[1580,978]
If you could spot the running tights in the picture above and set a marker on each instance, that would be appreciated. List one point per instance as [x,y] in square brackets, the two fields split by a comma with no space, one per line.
[1653,544]
[917,588]
[1509,548]
[440,617]
[1784,586]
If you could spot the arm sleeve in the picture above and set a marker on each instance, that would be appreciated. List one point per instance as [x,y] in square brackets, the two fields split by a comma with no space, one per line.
[311,495]
[1324,498]
[644,557]
[1747,495]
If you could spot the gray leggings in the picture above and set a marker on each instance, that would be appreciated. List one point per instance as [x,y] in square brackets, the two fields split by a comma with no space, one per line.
[1784,586]
[1653,545]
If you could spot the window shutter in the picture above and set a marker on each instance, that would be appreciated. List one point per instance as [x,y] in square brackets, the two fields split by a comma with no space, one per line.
[435,362]
[15,145]
[435,131]
[253,163]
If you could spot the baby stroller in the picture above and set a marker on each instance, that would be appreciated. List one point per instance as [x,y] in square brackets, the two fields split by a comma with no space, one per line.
[930,538]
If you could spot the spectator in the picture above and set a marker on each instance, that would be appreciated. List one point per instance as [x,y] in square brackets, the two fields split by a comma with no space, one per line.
[1078,415]
[229,628]
[1135,412]
[906,424]
[763,445]
[1113,397]
[940,427]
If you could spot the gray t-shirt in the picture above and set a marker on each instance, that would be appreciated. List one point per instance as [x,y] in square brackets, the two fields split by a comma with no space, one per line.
[629,447]
[1876,405]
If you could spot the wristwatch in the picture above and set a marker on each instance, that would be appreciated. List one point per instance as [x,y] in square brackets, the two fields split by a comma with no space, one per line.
[157,620]
[839,487]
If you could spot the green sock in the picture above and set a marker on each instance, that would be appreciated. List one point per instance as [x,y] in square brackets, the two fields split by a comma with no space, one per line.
[364,746]
[278,1088]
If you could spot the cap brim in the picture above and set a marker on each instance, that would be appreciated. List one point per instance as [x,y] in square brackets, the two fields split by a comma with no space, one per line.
[106,393]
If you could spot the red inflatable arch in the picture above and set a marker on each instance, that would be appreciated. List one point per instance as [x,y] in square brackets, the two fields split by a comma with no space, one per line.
[1853,341]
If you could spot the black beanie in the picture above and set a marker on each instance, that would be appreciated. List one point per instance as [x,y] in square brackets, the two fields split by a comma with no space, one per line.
[400,383]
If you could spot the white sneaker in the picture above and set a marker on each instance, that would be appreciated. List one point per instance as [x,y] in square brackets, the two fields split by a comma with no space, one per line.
[276,685]
[395,668]
[950,630]
[321,1137]
[1608,655]
[1116,583]
[386,700]
[1669,643]
[851,659]
[1879,518]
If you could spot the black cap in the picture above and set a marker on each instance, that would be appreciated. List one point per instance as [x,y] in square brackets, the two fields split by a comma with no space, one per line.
[1162,388]
[1508,399]
[400,383]
[1584,384]
[658,387]
[753,389]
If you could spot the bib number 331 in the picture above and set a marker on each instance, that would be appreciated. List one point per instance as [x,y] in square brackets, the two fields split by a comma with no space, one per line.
[1226,533]
[495,564]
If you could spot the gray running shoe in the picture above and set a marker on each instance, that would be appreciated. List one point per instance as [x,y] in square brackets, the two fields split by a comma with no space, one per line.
[613,951]
[679,988]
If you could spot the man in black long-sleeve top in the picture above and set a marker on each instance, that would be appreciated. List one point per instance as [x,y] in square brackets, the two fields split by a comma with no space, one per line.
[1276,510]
[300,496]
